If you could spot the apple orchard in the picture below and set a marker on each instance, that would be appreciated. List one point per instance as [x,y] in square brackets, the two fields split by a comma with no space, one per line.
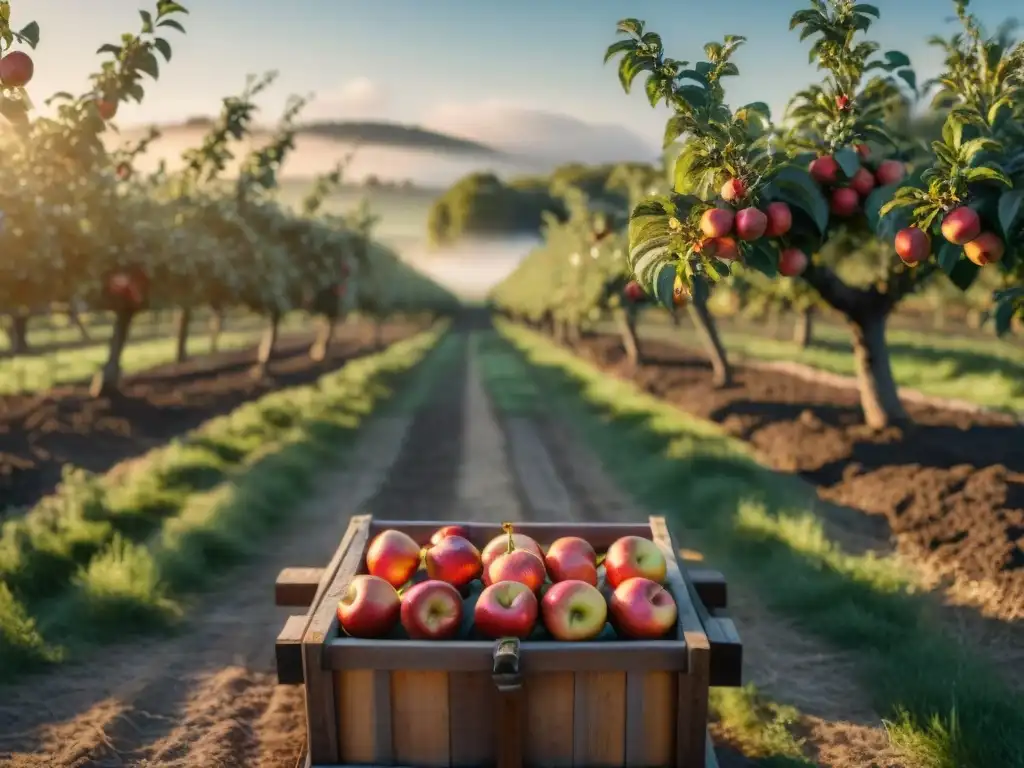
[81,227]
[775,208]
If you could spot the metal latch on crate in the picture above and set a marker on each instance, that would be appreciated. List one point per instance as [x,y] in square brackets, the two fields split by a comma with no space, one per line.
[505,672]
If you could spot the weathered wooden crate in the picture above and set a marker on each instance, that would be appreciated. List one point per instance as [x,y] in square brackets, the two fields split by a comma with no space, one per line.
[472,703]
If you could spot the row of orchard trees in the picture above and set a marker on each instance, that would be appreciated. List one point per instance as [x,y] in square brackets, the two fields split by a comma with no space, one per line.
[81,226]
[751,201]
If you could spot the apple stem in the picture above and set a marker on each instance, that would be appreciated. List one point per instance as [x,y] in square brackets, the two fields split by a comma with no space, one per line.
[507,528]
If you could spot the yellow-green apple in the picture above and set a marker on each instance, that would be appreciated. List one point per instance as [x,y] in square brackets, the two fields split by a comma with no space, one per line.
[449,530]
[633,556]
[506,609]
[986,248]
[520,565]
[394,556]
[454,560]
[574,610]
[913,245]
[369,608]
[499,546]
[432,610]
[780,219]
[571,557]
[961,225]
[642,609]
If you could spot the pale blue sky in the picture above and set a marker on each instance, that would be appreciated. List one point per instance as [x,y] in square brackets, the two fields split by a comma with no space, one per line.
[409,57]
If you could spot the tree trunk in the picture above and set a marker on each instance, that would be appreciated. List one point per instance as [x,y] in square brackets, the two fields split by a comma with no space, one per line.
[108,379]
[265,351]
[711,341]
[879,398]
[324,335]
[626,320]
[77,322]
[216,329]
[803,331]
[17,331]
[182,321]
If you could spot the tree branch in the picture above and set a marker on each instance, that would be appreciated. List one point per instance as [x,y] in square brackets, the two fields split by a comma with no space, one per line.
[833,290]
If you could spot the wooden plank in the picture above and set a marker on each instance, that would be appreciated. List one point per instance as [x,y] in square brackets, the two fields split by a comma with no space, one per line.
[353,691]
[288,651]
[650,718]
[511,734]
[549,719]
[692,711]
[600,535]
[710,585]
[420,718]
[472,656]
[383,732]
[321,706]
[296,587]
[599,719]
[472,699]
[726,669]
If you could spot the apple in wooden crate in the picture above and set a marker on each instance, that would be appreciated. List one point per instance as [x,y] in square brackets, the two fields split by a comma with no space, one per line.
[506,609]
[633,556]
[432,610]
[454,560]
[449,530]
[642,609]
[574,610]
[571,558]
[393,556]
[369,608]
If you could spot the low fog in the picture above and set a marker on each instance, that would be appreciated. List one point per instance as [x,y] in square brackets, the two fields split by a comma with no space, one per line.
[471,268]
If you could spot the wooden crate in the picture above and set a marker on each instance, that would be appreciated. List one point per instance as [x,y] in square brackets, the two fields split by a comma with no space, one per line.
[464,703]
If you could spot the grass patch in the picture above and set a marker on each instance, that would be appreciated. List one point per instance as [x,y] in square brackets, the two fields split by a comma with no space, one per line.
[113,554]
[945,705]
[760,728]
[989,373]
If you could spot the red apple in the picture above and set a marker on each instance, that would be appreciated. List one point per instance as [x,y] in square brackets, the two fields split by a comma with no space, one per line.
[961,225]
[986,248]
[454,560]
[913,245]
[369,608]
[717,222]
[394,556]
[862,182]
[519,565]
[506,609]
[750,224]
[792,262]
[824,170]
[633,291]
[106,108]
[449,530]
[890,172]
[642,609]
[432,610]
[863,151]
[844,202]
[733,189]
[571,558]
[16,69]
[574,611]
[633,556]
[725,248]
[499,546]
[780,219]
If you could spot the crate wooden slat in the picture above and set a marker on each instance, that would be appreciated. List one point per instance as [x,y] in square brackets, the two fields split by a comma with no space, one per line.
[607,703]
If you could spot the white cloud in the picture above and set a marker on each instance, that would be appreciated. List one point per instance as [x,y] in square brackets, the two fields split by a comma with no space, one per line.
[358,99]
[547,136]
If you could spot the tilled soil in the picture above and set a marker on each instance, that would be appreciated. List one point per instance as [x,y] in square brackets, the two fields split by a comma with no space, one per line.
[950,488]
[40,434]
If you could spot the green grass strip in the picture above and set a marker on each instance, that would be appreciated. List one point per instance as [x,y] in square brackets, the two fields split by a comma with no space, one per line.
[946,707]
[115,553]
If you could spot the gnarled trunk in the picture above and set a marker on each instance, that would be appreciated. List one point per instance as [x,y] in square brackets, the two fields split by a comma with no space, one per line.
[216,329]
[803,331]
[265,351]
[324,336]
[17,332]
[108,379]
[879,396]
[76,321]
[182,321]
[626,320]
[703,321]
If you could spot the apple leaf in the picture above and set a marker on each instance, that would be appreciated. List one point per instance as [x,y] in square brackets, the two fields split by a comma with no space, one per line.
[664,285]
[1003,316]
[964,274]
[848,161]
[873,203]
[164,47]
[172,24]
[948,256]
[1010,210]
[30,35]
[795,186]
[763,257]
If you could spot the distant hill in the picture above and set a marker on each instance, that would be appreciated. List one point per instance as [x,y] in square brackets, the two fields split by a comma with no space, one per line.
[379,134]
